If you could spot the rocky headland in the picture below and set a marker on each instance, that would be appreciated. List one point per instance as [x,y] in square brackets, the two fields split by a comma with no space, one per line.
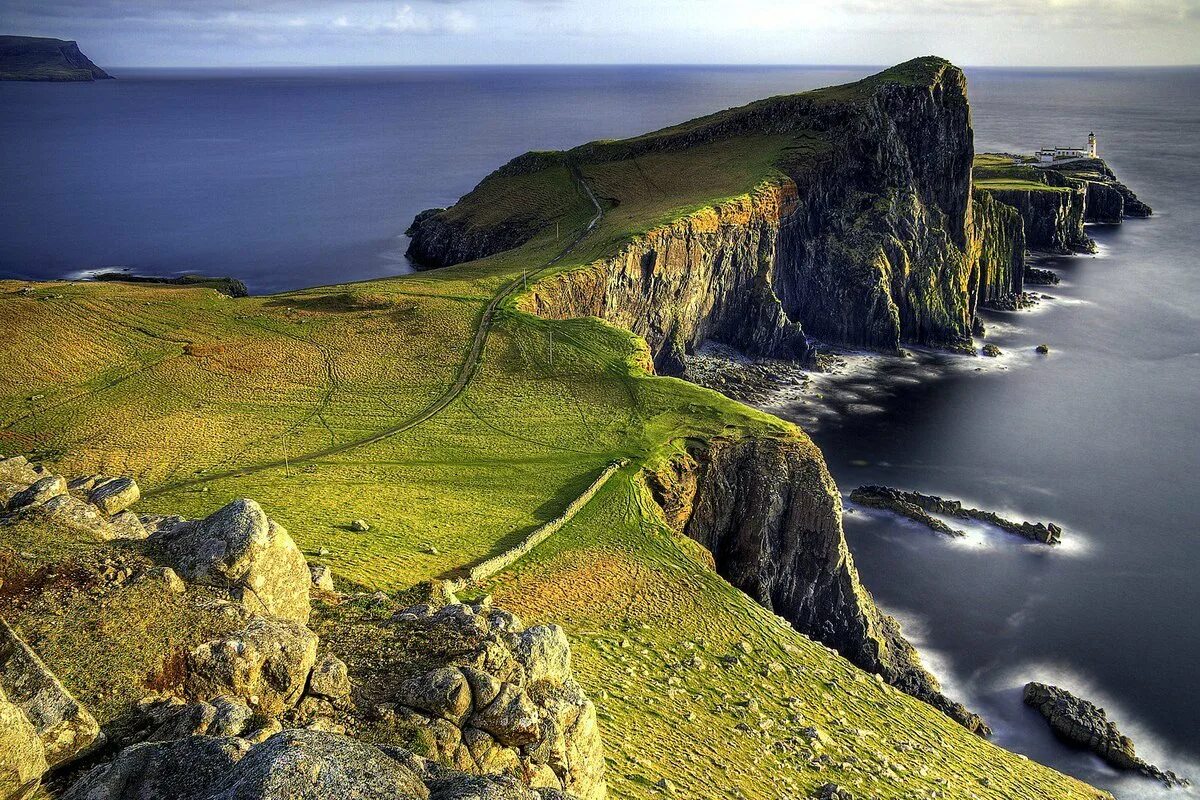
[34,58]
[921,507]
[1082,723]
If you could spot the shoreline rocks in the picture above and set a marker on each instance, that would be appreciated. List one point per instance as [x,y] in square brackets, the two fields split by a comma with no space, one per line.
[1081,722]
[920,507]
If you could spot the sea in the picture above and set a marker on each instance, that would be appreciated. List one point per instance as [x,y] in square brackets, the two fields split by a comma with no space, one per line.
[289,178]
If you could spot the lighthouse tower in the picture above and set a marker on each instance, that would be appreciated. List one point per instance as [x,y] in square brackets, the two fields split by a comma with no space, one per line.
[1091,151]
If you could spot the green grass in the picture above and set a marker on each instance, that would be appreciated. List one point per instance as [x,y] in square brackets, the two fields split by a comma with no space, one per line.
[171,384]
[998,172]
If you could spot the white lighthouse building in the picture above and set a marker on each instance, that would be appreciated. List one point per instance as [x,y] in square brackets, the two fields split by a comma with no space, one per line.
[1049,155]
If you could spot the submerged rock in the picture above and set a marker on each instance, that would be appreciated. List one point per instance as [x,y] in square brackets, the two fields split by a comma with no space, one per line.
[1080,722]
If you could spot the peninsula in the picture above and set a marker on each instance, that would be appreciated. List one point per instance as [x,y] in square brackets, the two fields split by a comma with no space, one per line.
[34,58]
[456,534]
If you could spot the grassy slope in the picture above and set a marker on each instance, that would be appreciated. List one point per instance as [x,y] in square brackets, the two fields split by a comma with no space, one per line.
[165,382]
[997,171]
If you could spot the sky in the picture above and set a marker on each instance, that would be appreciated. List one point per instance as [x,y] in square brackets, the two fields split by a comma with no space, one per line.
[861,32]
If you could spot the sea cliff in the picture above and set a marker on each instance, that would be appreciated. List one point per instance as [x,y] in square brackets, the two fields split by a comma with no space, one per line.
[34,58]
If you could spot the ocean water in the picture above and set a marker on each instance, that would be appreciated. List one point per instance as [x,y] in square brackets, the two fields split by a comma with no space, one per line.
[290,178]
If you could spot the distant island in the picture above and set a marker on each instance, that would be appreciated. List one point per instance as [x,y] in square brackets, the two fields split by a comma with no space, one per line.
[36,58]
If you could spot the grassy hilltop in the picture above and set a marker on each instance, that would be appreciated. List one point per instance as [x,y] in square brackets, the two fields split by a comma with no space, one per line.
[454,423]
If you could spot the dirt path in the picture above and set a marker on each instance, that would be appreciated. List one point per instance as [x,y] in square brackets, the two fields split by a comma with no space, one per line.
[466,373]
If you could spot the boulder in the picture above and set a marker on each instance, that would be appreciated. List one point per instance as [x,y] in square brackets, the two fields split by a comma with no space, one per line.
[545,653]
[322,577]
[126,525]
[239,548]
[359,526]
[182,769]
[17,469]
[38,492]
[267,664]
[22,755]
[64,726]
[330,678]
[442,692]
[115,495]
[511,718]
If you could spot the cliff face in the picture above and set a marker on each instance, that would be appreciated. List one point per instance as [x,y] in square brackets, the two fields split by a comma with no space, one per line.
[708,276]
[864,241]
[769,512]
[999,249]
[1053,218]
[33,58]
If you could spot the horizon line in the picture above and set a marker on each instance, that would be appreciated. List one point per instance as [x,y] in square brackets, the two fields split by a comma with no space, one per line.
[749,65]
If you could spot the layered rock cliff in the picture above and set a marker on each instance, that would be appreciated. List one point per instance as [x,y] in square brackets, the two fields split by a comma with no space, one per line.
[999,254]
[864,240]
[769,512]
[1053,217]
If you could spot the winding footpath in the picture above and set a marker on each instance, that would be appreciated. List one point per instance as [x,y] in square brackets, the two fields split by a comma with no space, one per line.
[466,372]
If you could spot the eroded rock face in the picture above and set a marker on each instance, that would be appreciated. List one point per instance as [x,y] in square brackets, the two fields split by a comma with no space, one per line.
[496,696]
[267,664]
[1083,723]
[239,548]
[115,495]
[65,727]
[1053,218]
[770,514]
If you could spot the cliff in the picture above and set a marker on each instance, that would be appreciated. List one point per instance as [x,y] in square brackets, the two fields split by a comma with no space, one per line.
[1053,216]
[999,253]
[769,512]
[33,58]
[860,235]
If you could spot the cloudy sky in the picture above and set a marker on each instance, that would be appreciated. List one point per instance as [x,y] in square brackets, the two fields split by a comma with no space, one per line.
[303,32]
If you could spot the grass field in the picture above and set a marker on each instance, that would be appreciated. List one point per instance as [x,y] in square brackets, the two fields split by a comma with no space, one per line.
[199,396]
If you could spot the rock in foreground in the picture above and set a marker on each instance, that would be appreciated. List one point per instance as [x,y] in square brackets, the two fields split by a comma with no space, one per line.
[1080,722]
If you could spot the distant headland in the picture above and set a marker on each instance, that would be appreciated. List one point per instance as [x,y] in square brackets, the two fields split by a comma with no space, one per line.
[34,58]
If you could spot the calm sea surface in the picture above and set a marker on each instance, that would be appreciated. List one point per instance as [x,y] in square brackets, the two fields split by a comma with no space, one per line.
[291,178]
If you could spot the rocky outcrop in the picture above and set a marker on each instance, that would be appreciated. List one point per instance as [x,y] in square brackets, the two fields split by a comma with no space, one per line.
[919,507]
[1082,723]
[1108,200]
[22,754]
[770,514]
[494,697]
[239,548]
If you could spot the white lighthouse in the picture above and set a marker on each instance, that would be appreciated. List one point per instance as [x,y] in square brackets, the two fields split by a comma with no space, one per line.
[1091,150]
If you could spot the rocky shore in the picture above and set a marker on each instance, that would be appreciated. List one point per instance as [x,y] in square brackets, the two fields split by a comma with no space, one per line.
[267,675]
[1082,723]
[920,508]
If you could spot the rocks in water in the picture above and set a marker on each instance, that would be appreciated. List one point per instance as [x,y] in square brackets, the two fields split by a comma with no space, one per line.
[990,350]
[920,507]
[359,526]
[1041,277]
[115,495]
[1014,301]
[239,548]
[1043,349]
[267,664]
[65,727]
[1081,722]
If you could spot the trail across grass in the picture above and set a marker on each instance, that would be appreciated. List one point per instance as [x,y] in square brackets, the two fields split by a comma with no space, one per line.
[466,372]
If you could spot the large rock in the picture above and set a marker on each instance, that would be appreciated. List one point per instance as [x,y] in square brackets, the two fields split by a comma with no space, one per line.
[38,492]
[22,755]
[115,495]
[18,470]
[65,727]
[239,548]
[291,765]
[267,664]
